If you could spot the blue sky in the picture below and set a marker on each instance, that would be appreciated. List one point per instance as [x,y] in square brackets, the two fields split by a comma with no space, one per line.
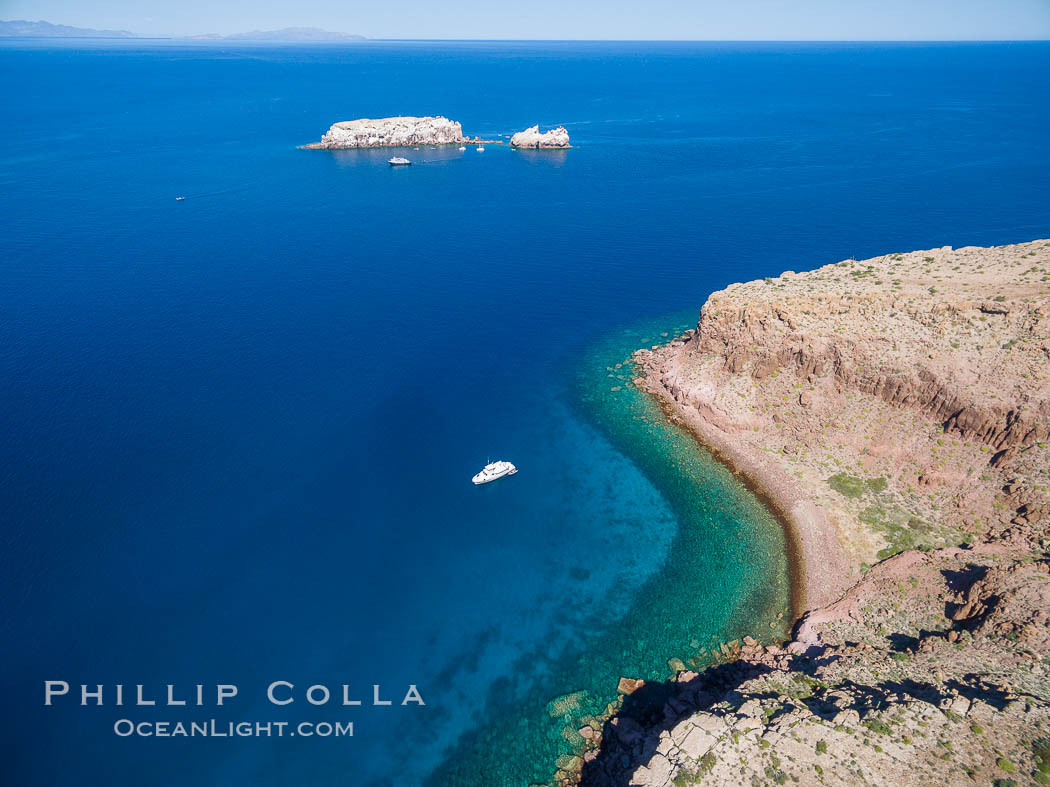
[577,19]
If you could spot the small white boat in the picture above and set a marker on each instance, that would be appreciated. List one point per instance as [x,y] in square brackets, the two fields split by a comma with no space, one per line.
[494,470]
[398,161]
[462,147]
[481,148]
[179,199]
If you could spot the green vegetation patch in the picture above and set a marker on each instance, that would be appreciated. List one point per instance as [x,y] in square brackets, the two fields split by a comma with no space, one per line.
[799,686]
[903,531]
[1041,755]
[707,763]
[876,725]
[847,485]
[854,486]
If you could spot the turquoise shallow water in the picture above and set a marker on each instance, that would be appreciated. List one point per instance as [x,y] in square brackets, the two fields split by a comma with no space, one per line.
[724,575]
[238,430]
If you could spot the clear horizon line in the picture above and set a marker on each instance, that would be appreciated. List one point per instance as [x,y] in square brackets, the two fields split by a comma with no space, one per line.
[728,40]
[366,39]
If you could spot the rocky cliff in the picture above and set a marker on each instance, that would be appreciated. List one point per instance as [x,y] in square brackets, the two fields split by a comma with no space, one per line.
[906,397]
[898,411]
[391,132]
[533,138]
[932,669]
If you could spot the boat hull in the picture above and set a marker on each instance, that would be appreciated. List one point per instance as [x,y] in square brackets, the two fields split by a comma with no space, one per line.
[480,479]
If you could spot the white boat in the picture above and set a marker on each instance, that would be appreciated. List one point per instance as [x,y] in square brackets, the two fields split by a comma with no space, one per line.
[480,148]
[398,161]
[494,470]
[179,199]
[462,147]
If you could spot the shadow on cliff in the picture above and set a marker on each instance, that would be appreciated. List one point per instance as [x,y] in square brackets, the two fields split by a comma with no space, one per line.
[632,736]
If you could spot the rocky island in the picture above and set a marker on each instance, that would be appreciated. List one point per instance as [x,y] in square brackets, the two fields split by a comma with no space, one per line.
[897,411]
[533,138]
[407,131]
[392,132]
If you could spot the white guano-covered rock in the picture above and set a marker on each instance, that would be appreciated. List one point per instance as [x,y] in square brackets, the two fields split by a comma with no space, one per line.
[532,138]
[392,132]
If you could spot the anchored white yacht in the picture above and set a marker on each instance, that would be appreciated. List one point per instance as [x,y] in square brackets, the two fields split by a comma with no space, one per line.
[480,148]
[494,470]
[398,161]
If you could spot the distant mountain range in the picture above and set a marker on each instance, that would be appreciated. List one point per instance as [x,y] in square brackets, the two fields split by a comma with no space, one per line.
[24,29]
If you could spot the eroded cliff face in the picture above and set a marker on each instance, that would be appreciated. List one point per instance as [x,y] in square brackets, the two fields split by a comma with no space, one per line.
[907,396]
[533,138]
[898,409]
[916,340]
[391,132]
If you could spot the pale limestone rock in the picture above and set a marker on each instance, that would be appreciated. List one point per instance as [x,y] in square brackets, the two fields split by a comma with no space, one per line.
[533,138]
[666,744]
[696,743]
[848,718]
[710,722]
[960,706]
[746,725]
[750,709]
[642,777]
[661,769]
[681,731]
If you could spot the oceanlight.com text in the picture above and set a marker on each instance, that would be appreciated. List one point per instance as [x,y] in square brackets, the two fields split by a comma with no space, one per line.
[240,729]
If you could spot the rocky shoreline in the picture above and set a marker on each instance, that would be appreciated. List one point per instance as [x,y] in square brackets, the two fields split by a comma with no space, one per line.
[896,411]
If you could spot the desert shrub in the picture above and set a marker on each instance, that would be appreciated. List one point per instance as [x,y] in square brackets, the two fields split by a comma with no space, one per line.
[1041,754]
[847,485]
[876,725]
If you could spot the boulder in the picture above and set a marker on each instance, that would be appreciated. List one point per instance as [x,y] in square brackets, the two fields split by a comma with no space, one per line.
[629,685]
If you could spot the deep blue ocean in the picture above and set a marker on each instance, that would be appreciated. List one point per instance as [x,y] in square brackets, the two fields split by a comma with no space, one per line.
[237,431]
